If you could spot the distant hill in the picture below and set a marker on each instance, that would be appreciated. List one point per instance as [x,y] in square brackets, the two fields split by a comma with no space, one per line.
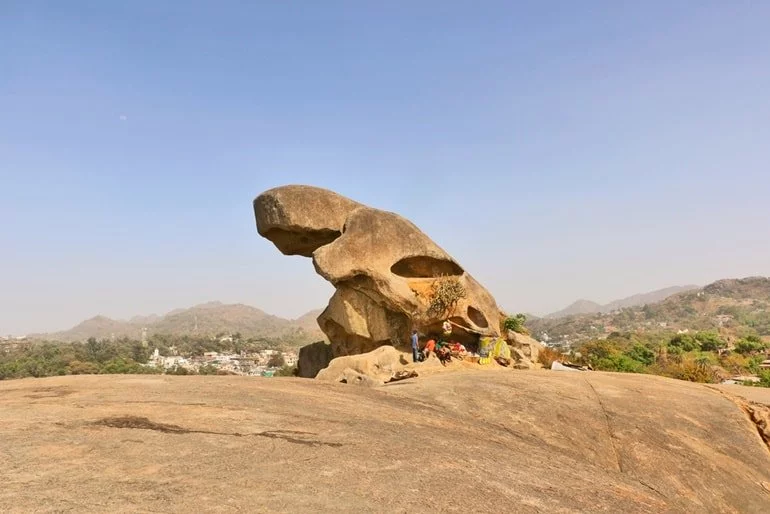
[210,319]
[578,307]
[309,320]
[734,307]
[589,307]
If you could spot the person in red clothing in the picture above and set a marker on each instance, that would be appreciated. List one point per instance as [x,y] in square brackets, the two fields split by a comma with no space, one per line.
[430,346]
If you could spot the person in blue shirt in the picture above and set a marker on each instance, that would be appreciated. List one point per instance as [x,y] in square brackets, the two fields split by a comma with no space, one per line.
[415,346]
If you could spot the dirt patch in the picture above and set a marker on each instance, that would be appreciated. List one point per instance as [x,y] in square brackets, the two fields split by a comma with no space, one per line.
[139,423]
[49,392]
[145,424]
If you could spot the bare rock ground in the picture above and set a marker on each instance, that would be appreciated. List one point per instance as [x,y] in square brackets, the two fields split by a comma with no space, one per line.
[469,440]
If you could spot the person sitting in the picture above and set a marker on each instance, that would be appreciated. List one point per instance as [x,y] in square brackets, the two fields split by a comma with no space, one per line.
[444,354]
[430,346]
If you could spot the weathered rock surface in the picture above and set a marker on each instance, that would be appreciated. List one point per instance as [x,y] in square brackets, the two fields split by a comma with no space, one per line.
[381,265]
[378,366]
[528,347]
[313,358]
[525,350]
[466,441]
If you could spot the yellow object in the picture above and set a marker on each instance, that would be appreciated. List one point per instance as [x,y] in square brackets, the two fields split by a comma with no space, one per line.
[492,348]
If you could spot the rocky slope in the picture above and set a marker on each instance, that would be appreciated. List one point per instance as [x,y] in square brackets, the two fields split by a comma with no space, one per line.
[473,441]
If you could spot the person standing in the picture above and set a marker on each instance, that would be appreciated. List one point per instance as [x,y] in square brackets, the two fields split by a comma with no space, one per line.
[415,346]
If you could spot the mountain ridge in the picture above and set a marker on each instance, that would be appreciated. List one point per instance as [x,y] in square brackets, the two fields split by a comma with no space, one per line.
[207,319]
[733,307]
[584,306]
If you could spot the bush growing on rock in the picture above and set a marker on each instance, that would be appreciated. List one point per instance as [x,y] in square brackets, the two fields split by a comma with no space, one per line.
[445,293]
[516,324]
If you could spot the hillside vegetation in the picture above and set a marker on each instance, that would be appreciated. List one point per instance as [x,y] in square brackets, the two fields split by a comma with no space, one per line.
[735,308]
[707,335]
[122,356]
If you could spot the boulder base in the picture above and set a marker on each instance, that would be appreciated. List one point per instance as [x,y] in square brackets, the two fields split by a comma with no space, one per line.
[372,368]
[313,358]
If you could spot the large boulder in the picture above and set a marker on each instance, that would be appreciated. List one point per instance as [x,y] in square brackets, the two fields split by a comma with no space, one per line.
[383,267]
[527,346]
[313,358]
[372,368]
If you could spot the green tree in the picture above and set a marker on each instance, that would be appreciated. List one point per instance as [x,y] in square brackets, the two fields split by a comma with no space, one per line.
[710,341]
[642,354]
[684,342]
[515,323]
[620,362]
[750,345]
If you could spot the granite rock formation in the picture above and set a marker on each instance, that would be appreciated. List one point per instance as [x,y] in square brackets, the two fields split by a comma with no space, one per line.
[383,267]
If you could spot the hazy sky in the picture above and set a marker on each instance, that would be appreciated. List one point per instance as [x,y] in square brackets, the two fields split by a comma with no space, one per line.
[557,150]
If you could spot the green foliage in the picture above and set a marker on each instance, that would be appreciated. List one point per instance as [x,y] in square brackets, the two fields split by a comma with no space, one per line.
[619,362]
[516,323]
[446,291]
[45,359]
[616,355]
[710,341]
[750,345]
[642,354]
[121,365]
[679,356]
[684,343]
[207,369]
[753,364]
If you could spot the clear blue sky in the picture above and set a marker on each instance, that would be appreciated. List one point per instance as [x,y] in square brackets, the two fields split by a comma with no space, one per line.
[557,149]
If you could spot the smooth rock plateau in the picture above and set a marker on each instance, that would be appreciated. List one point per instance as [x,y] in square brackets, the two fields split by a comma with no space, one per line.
[465,441]
[381,265]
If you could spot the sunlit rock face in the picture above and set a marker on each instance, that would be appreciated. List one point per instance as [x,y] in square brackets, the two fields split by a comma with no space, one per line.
[382,266]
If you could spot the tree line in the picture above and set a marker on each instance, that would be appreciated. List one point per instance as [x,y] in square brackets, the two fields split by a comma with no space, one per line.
[121,356]
[699,357]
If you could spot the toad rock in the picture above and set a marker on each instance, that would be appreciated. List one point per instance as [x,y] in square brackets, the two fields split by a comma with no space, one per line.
[389,276]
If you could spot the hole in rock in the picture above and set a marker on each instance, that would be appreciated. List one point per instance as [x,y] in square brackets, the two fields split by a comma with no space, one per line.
[423,266]
[477,317]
